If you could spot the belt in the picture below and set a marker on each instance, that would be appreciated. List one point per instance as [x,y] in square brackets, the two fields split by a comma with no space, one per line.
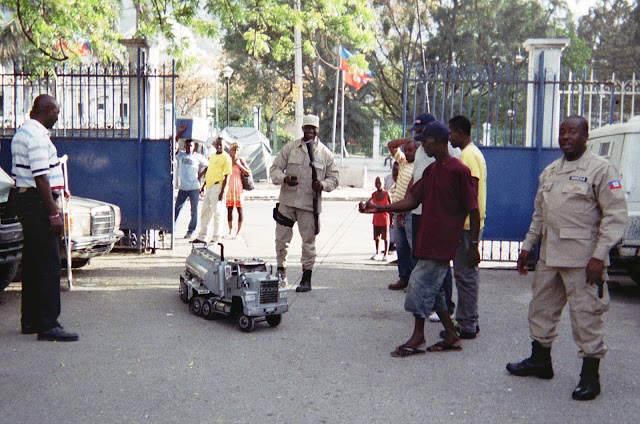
[31,191]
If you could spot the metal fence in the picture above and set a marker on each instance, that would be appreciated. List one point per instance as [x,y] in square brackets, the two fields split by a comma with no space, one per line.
[116,123]
[497,103]
[95,101]
[496,100]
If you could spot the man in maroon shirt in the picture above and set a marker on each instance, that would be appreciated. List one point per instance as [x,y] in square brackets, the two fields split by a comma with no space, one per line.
[447,195]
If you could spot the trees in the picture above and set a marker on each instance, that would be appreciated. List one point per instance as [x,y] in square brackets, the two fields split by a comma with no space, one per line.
[56,31]
[613,29]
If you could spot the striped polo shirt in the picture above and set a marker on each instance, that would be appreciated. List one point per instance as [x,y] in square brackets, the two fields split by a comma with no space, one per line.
[405,173]
[34,155]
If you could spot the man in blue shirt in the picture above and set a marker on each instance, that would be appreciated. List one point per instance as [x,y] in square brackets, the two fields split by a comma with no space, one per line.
[189,165]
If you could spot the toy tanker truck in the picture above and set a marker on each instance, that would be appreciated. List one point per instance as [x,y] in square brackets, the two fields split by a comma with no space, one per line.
[243,289]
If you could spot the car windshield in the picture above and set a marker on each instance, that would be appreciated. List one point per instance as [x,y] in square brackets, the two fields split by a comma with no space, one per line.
[253,267]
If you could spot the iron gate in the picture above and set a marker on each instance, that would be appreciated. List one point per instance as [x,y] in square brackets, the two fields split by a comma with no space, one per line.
[116,125]
[496,101]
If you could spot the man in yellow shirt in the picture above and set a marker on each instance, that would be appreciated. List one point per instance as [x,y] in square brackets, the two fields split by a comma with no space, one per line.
[468,279]
[216,177]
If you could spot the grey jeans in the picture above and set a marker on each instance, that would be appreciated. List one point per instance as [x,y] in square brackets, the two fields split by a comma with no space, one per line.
[467,284]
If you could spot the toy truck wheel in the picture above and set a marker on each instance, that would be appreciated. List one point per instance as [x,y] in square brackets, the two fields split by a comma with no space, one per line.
[208,310]
[184,292]
[245,323]
[274,320]
[196,305]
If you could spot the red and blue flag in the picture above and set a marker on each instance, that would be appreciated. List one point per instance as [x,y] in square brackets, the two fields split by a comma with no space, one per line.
[354,76]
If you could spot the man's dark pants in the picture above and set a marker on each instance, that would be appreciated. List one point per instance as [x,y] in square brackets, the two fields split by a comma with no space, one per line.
[403,249]
[40,264]
[194,197]
[447,285]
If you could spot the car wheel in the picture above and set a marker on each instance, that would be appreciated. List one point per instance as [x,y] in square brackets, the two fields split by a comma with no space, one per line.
[196,305]
[207,309]
[634,272]
[245,323]
[184,292]
[274,320]
[7,272]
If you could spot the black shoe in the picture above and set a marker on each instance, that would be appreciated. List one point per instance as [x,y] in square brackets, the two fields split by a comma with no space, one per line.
[537,365]
[305,284]
[463,334]
[589,386]
[57,334]
[398,285]
[28,329]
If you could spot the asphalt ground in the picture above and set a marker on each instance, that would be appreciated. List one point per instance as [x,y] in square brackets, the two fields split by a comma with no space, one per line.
[143,358]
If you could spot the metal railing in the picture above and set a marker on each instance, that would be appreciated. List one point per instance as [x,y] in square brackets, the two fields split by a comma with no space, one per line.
[95,101]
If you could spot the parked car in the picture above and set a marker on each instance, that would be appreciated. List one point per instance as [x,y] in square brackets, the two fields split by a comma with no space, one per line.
[94,229]
[620,143]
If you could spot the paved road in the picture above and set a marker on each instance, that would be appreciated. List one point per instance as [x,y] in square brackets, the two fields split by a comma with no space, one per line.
[143,358]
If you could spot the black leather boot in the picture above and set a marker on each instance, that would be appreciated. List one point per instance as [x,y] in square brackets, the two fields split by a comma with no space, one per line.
[305,284]
[589,386]
[537,365]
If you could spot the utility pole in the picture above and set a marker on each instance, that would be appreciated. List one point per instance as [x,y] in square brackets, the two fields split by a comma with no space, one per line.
[298,75]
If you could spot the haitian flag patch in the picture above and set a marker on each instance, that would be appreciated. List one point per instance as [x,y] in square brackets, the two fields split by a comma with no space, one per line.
[615,184]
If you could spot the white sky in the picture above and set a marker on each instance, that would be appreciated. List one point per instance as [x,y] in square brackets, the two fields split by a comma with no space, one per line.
[580,7]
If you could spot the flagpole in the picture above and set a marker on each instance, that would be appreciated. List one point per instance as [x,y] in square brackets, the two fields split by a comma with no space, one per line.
[342,148]
[335,104]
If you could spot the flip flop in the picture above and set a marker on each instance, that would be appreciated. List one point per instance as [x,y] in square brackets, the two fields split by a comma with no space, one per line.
[442,347]
[403,351]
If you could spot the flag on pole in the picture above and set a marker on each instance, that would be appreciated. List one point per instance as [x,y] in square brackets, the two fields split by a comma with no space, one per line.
[354,76]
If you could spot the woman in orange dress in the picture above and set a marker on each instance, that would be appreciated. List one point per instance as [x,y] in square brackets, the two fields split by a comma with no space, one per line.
[235,189]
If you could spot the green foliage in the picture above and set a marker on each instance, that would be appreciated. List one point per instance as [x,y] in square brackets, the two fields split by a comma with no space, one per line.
[613,29]
[54,31]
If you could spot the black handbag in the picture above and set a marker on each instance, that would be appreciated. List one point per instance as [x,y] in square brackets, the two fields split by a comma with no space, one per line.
[247,182]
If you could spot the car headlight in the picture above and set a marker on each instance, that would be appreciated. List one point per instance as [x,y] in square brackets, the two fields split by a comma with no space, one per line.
[250,297]
[80,224]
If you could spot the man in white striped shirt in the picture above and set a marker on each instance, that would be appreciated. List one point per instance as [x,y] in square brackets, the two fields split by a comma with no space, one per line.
[39,183]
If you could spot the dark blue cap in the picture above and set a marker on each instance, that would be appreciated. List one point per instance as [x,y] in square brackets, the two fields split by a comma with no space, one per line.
[421,121]
[434,129]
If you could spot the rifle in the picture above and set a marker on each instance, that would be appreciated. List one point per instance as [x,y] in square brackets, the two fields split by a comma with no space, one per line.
[314,178]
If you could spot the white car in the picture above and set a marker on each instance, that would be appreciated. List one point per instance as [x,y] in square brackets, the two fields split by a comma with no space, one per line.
[94,229]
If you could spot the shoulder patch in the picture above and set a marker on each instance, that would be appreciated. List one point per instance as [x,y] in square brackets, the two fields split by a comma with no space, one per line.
[615,184]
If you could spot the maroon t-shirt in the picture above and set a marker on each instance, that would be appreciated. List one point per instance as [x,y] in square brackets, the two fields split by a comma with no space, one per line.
[447,196]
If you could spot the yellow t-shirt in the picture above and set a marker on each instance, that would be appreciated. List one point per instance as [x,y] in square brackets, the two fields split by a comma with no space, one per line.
[473,158]
[219,166]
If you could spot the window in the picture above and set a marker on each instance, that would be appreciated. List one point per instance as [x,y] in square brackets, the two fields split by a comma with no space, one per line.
[605,149]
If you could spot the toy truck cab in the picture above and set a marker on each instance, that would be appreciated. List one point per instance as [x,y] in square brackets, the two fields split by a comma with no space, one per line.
[242,288]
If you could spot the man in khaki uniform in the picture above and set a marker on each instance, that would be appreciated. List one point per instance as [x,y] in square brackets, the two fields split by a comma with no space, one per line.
[580,215]
[291,169]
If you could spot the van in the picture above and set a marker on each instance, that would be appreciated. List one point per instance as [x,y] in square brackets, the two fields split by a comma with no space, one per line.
[620,143]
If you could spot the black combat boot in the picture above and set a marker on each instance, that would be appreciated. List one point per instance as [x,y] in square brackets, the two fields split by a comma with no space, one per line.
[538,364]
[305,284]
[589,386]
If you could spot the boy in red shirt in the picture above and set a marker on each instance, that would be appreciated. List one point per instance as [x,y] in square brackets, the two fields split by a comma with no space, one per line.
[381,220]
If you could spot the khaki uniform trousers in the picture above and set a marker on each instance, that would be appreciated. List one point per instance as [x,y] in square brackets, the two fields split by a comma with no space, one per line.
[552,288]
[307,229]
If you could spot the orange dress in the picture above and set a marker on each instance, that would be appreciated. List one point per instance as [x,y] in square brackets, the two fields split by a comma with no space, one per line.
[235,190]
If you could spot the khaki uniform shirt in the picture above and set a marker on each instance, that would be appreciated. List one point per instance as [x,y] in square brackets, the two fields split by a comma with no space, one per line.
[580,212]
[293,160]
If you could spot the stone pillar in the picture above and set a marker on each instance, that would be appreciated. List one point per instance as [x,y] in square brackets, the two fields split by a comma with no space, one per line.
[138,57]
[543,99]
[376,138]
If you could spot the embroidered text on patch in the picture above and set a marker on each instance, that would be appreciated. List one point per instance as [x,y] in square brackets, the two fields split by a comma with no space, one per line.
[615,184]
[574,178]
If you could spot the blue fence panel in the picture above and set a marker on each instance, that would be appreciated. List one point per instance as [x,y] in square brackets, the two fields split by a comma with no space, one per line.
[512,182]
[107,170]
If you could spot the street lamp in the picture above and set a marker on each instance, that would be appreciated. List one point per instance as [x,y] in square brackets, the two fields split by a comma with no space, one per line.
[227,71]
